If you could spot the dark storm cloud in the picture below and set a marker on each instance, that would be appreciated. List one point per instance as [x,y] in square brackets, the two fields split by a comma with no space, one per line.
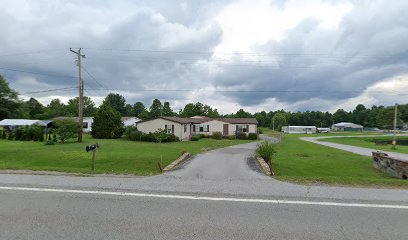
[177,38]
[369,46]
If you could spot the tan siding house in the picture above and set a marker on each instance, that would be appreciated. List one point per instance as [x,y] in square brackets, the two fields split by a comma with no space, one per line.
[184,128]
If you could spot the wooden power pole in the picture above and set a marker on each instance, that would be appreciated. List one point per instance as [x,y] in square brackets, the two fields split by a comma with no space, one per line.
[81,93]
[394,136]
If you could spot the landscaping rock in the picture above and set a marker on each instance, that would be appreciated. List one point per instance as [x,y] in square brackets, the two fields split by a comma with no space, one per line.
[395,167]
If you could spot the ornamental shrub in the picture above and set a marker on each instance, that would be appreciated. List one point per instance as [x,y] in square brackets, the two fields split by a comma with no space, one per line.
[195,138]
[66,129]
[266,150]
[242,135]
[252,136]
[217,135]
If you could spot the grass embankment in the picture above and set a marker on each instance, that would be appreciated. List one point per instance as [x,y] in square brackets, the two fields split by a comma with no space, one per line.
[117,156]
[370,142]
[306,162]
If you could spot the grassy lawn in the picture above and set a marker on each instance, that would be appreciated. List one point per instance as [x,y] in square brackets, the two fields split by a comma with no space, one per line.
[305,162]
[368,142]
[116,156]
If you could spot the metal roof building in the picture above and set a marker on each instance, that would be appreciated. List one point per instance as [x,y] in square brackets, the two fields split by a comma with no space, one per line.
[21,122]
[347,126]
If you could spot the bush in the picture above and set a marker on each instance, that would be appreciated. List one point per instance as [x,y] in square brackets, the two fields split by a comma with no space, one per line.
[231,137]
[242,135]
[195,138]
[217,135]
[132,134]
[203,135]
[28,133]
[266,150]
[252,136]
[260,130]
[3,134]
[66,129]
[159,136]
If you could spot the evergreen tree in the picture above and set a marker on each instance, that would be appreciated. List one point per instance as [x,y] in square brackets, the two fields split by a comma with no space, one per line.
[156,109]
[167,110]
[117,102]
[107,123]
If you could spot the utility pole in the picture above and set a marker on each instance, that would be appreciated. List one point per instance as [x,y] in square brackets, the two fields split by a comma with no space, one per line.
[81,93]
[394,136]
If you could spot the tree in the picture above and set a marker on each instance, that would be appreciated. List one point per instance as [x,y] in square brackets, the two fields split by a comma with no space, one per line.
[167,110]
[279,120]
[8,99]
[156,109]
[107,123]
[242,114]
[66,129]
[36,109]
[73,107]
[139,108]
[55,109]
[117,102]
[129,110]
[341,116]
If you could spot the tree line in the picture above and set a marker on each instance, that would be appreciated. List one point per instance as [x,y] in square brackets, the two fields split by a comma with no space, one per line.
[376,116]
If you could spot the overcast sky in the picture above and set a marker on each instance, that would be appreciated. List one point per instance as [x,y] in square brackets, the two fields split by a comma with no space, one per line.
[251,54]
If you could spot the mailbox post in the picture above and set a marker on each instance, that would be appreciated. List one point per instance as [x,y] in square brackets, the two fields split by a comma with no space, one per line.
[93,149]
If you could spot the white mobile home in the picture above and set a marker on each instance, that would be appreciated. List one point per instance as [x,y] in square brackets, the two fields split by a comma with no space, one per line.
[300,129]
[184,128]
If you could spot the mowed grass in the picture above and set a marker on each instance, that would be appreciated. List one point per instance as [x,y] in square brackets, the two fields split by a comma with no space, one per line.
[306,162]
[116,156]
[364,142]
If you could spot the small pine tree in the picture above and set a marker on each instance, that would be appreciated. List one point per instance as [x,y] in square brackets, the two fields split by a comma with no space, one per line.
[107,123]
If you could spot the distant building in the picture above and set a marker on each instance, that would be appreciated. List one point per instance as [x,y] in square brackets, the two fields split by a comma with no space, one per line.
[13,123]
[300,129]
[323,130]
[88,121]
[347,126]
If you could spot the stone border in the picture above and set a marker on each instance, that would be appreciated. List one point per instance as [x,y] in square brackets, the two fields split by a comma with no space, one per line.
[174,165]
[263,165]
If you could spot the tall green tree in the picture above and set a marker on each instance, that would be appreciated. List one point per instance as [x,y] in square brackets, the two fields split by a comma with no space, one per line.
[107,123]
[279,120]
[139,108]
[156,109]
[55,109]
[35,107]
[72,107]
[341,116]
[167,109]
[117,102]
[8,99]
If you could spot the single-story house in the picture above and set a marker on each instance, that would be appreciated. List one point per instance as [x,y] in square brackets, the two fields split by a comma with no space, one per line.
[130,121]
[184,128]
[88,121]
[299,129]
[13,123]
[347,126]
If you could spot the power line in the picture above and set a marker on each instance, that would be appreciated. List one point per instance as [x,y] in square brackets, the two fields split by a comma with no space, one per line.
[93,78]
[36,73]
[29,53]
[50,90]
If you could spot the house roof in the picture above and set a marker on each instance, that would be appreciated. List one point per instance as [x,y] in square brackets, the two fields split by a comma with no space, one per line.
[347,124]
[127,118]
[21,122]
[198,120]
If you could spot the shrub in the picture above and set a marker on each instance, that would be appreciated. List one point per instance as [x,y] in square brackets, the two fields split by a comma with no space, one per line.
[203,135]
[132,134]
[3,134]
[195,138]
[266,150]
[217,135]
[182,152]
[231,137]
[66,129]
[260,130]
[107,123]
[252,136]
[242,135]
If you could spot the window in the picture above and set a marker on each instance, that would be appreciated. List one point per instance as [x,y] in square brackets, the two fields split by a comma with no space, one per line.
[185,127]
[242,128]
[201,128]
[169,129]
[84,125]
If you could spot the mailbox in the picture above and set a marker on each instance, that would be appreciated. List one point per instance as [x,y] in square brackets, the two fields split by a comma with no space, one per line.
[91,147]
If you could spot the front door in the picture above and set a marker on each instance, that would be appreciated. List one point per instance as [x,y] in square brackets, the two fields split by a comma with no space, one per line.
[225,130]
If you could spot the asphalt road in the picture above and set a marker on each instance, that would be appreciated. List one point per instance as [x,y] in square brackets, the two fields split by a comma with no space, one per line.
[218,195]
